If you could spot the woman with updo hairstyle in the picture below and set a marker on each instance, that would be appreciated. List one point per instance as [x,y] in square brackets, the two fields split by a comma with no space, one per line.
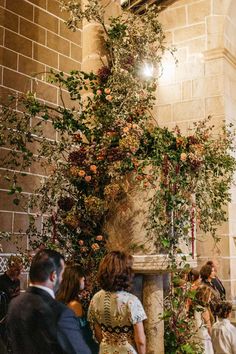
[115,314]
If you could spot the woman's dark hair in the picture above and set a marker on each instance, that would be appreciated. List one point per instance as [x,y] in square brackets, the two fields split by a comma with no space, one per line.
[70,285]
[205,272]
[43,264]
[193,275]
[203,294]
[223,309]
[115,271]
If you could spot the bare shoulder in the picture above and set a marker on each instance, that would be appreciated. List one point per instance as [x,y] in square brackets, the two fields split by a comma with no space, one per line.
[76,306]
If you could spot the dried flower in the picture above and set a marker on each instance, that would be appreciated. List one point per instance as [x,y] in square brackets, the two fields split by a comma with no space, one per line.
[95,246]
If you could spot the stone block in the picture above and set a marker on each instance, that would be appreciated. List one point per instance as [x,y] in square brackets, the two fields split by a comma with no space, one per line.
[74,37]
[198,11]
[9,20]
[188,110]
[58,44]
[215,24]
[219,7]
[173,18]
[25,10]
[18,43]
[17,243]
[67,64]
[29,66]
[189,32]
[76,52]
[163,113]
[32,31]
[214,105]
[40,3]
[45,91]
[21,223]
[210,86]
[6,202]
[8,58]
[16,81]
[214,66]
[47,128]
[6,221]
[45,55]
[46,20]
[169,93]
[189,71]
[53,6]
[1,35]
[187,90]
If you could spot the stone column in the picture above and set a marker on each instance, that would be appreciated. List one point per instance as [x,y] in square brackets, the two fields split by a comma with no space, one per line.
[153,304]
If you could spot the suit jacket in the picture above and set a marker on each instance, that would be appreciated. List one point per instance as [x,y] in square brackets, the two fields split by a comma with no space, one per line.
[38,324]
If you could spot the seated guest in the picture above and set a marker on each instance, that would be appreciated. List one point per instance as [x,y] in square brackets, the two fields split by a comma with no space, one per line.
[36,322]
[115,314]
[216,281]
[73,282]
[223,332]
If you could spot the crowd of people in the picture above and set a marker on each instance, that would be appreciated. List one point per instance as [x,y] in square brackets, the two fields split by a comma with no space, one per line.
[211,311]
[49,317]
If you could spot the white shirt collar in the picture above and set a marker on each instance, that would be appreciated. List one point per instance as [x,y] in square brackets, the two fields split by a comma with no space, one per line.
[49,291]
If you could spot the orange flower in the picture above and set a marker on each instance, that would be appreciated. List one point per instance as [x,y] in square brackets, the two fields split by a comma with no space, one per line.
[81,242]
[95,246]
[93,168]
[81,173]
[107,91]
[109,97]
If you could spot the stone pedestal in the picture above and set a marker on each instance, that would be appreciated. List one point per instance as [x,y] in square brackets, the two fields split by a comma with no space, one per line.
[154,269]
[153,304]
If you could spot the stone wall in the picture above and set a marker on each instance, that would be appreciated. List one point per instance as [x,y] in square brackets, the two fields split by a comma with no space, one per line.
[33,39]
[202,84]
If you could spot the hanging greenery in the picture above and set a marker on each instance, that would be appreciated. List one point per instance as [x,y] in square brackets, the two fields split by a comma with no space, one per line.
[110,135]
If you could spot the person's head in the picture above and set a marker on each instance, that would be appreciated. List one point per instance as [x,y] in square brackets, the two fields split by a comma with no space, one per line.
[212,264]
[115,271]
[47,268]
[193,275]
[72,283]
[203,294]
[223,309]
[14,267]
[207,272]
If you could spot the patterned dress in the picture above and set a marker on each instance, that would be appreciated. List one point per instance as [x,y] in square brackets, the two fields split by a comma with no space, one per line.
[116,313]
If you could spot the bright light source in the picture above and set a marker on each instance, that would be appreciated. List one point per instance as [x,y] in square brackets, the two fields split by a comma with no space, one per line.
[148,70]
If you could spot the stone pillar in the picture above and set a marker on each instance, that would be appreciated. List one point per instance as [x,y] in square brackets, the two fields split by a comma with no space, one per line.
[153,304]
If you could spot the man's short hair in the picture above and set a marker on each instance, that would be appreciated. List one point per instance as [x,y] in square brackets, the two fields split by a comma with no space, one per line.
[43,264]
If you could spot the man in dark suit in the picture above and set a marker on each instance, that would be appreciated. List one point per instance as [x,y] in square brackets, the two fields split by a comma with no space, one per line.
[36,322]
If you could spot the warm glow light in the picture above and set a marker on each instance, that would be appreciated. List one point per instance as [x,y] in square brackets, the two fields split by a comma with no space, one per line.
[148,70]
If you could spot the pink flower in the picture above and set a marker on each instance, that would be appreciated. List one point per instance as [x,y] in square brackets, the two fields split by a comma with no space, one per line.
[81,242]
[99,92]
[99,238]
[87,178]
